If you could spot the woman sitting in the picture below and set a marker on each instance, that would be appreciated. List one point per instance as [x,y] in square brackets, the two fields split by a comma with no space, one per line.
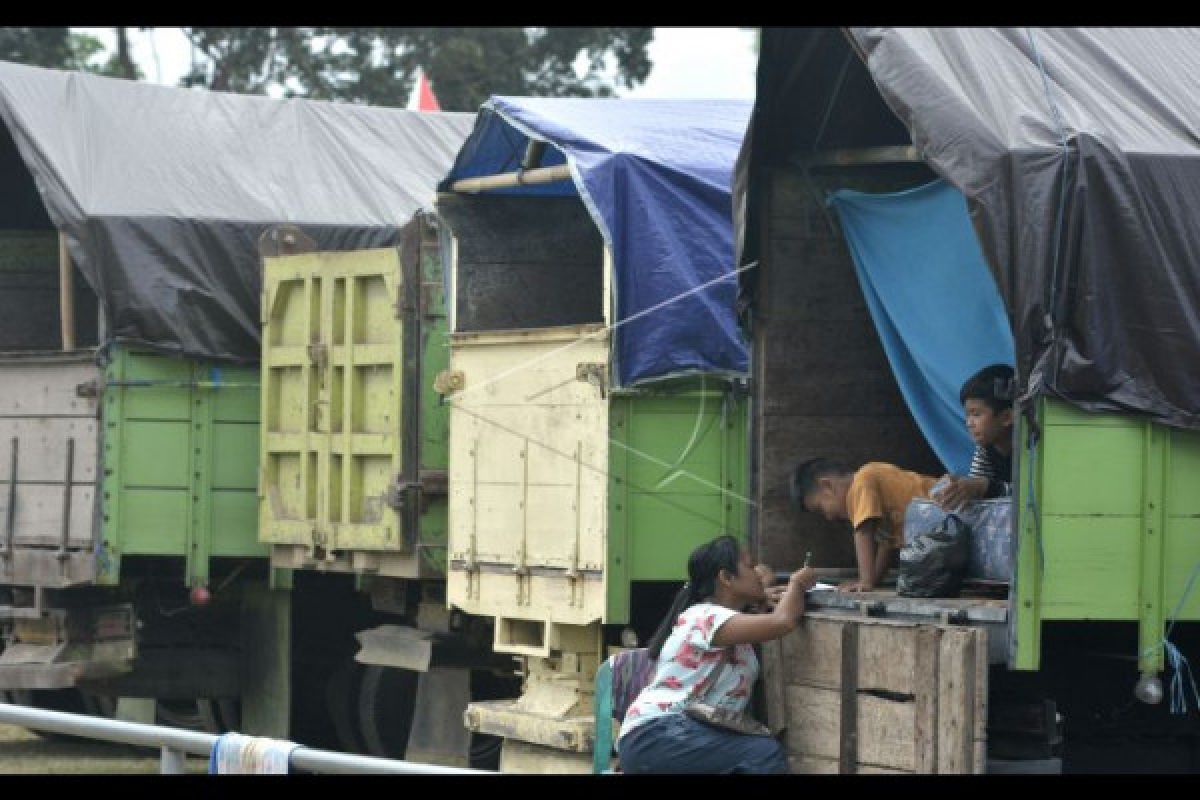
[704,654]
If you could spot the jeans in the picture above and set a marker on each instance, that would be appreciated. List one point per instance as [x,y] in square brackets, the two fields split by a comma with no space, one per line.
[678,744]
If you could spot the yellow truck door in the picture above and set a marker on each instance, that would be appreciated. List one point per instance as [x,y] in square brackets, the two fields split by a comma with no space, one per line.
[333,399]
[528,480]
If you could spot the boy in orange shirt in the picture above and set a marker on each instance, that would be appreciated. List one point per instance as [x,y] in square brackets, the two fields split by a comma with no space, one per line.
[872,499]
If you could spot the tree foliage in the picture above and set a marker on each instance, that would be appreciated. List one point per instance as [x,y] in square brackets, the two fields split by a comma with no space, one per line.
[378,65]
[58,48]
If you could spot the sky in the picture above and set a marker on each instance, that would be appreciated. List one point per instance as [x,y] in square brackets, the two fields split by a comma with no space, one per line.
[687,62]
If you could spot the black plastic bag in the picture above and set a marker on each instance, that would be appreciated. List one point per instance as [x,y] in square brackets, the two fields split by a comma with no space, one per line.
[934,562]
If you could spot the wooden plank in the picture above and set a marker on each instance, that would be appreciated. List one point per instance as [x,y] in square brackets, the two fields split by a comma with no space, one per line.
[886,732]
[826,344]
[773,677]
[956,679]
[848,738]
[812,765]
[812,654]
[925,690]
[872,769]
[979,765]
[863,156]
[814,721]
[854,391]
[66,293]
[887,658]
[813,279]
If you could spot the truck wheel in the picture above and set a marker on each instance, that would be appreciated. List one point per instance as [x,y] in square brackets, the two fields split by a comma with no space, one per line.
[99,705]
[341,701]
[199,714]
[219,715]
[385,708]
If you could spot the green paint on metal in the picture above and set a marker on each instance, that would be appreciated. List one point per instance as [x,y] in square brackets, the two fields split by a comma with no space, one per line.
[1119,523]
[434,414]
[678,466]
[180,454]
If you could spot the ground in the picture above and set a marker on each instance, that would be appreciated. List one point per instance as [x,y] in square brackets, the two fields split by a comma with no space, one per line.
[22,751]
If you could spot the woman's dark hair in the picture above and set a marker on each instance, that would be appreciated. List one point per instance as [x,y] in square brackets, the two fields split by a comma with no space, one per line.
[704,564]
[994,385]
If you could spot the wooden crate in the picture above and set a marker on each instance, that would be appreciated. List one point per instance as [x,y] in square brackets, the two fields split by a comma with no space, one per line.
[865,695]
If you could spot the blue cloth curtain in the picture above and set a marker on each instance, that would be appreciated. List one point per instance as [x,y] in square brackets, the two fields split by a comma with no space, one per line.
[933,300]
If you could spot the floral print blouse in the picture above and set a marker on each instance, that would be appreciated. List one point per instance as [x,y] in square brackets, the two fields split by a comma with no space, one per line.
[686,667]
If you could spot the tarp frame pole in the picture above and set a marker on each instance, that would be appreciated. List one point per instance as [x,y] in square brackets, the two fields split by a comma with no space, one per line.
[66,294]
[860,157]
[510,180]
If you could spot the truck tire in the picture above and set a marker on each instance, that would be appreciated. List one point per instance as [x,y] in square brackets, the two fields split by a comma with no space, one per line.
[99,705]
[204,714]
[385,707]
[341,702]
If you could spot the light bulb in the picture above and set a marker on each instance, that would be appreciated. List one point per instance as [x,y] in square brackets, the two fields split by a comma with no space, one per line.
[1149,689]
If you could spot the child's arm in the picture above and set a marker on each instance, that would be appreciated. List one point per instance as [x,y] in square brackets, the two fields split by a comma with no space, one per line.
[883,560]
[865,551]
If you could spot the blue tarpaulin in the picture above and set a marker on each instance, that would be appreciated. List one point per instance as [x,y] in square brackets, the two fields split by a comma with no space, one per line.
[933,300]
[656,176]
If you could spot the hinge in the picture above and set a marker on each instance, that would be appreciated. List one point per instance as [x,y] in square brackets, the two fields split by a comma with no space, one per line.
[594,373]
[430,483]
[88,389]
[448,381]
[319,354]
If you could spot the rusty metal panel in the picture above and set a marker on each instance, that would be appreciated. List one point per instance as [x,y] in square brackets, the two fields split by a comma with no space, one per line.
[49,449]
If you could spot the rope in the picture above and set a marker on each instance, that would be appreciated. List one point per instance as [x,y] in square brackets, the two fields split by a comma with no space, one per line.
[1031,505]
[1178,661]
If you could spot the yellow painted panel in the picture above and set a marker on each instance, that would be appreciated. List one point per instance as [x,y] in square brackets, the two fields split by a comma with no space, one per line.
[332,399]
[537,597]
[528,463]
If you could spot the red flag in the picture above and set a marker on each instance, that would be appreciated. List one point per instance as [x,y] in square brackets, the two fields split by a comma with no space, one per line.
[423,98]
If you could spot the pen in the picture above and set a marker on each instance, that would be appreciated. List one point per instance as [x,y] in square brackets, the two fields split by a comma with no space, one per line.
[807,559]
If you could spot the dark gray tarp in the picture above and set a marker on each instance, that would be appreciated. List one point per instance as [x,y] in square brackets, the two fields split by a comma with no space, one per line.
[1082,176]
[163,193]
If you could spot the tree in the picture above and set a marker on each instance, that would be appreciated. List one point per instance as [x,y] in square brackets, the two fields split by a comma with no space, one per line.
[378,65]
[58,48]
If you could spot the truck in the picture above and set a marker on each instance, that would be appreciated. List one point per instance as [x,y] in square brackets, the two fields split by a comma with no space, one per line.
[1101,594]
[444,425]
[132,577]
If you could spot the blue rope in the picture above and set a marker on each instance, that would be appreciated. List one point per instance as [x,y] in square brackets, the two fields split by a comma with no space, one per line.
[1178,660]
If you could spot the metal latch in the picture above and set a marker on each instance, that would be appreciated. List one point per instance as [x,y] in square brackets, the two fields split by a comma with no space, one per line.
[594,373]
[88,389]
[403,305]
[318,354]
[448,381]
[429,483]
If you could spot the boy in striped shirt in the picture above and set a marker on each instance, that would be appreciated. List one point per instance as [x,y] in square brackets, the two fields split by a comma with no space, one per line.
[987,399]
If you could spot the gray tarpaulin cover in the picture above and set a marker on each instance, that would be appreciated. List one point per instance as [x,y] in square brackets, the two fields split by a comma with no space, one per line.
[163,192]
[1079,153]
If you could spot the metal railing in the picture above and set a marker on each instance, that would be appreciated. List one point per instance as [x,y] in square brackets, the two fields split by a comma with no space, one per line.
[175,743]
